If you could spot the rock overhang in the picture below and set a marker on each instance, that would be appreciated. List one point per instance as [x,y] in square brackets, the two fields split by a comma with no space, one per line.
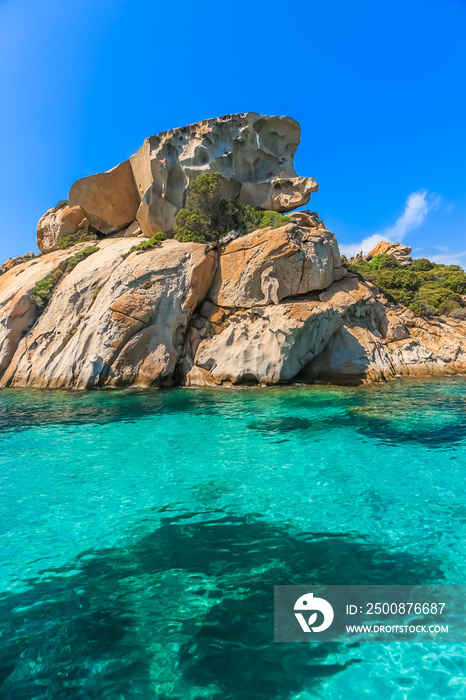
[253,152]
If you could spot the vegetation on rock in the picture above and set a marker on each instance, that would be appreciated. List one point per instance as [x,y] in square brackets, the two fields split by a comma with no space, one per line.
[81,236]
[78,257]
[42,290]
[146,244]
[208,216]
[427,288]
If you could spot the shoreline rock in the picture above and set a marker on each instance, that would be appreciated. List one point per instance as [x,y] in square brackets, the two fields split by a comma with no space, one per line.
[269,307]
[263,309]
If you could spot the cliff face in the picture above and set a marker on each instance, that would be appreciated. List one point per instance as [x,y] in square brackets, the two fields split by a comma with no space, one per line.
[253,152]
[268,307]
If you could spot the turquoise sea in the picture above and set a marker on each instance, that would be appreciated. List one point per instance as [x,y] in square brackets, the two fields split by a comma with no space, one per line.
[142,534]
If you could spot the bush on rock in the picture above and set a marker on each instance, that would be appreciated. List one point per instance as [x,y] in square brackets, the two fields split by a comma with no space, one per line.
[147,244]
[42,290]
[425,287]
[209,216]
[82,255]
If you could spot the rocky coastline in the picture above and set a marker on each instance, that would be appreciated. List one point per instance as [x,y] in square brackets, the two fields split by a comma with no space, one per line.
[272,306]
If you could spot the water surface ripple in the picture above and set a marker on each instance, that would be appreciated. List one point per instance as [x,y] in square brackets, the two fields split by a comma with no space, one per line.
[142,534]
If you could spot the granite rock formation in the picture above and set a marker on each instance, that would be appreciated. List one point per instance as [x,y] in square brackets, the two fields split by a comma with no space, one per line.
[58,223]
[266,308]
[112,320]
[397,250]
[253,152]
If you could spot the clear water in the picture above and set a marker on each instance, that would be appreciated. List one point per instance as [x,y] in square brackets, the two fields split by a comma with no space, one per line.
[142,534]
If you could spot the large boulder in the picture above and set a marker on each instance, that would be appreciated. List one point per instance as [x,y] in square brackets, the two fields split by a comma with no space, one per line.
[113,320]
[398,250]
[264,346]
[253,152]
[58,223]
[109,199]
[269,265]
[18,312]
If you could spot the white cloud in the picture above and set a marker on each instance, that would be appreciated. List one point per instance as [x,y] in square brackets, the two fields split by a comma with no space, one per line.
[449,258]
[418,205]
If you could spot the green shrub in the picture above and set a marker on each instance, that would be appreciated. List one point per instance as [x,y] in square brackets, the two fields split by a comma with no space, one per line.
[147,244]
[208,217]
[427,288]
[383,261]
[422,265]
[61,204]
[78,257]
[81,236]
[42,290]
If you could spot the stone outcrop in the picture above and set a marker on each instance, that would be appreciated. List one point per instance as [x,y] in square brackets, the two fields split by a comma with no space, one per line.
[57,223]
[399,251]
[268,307]
[254,153]
[265,308]
[111,321]
[12,262]
[267,266]
[268,345]
[379,341]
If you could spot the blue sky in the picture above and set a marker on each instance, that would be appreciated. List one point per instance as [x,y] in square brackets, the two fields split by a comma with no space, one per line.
[379,90]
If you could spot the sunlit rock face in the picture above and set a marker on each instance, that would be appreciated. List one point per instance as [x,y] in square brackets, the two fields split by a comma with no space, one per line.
[253,152]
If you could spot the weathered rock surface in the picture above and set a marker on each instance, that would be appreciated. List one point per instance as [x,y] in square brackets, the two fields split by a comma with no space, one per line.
[399,251]
[253,152]
[110,200]
[264,308]
[57,223]
[268,265]
[110,321]
[265,346]
[12,262]
[18,312]
[379,340]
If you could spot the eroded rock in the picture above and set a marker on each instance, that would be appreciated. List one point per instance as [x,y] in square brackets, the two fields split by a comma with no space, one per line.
[399,251]
[269,265]
[111,321]
[379,341]
[57,223]
[265,346]
[253,152]
[110,200]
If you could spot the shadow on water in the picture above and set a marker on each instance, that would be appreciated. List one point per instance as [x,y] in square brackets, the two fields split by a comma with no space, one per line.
[372,426]
[430,413]
[185,612]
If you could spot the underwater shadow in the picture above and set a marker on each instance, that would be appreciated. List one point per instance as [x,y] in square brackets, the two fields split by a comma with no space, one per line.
[186,611]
